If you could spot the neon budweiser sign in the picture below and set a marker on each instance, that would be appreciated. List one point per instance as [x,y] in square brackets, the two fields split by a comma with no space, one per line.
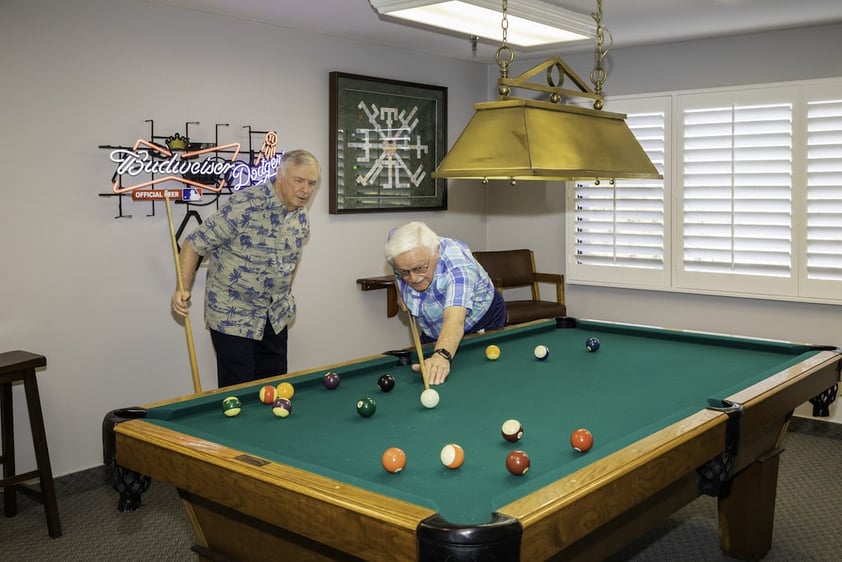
[204,168]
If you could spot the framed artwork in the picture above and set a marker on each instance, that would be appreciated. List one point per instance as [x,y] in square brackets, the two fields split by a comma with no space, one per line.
[386,139]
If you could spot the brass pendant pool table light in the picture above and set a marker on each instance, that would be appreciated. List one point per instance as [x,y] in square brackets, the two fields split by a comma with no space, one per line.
[531,139]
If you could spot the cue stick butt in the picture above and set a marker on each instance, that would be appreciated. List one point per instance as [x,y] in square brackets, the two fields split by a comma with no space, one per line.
[191,351]
[188,329]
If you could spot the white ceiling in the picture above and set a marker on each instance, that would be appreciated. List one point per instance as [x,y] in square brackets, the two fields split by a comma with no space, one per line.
[631,22]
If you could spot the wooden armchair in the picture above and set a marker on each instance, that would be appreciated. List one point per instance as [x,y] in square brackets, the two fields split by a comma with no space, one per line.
[516,268]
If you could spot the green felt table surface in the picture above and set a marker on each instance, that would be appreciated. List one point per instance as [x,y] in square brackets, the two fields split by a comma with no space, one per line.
[639,381]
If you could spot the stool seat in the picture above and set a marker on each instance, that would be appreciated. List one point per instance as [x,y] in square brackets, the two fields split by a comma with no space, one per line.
[19,366]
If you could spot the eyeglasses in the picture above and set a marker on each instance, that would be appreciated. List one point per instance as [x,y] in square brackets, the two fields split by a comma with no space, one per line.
[420,270]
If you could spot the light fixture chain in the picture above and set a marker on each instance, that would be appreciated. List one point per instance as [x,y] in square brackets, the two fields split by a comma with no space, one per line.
[599,75]
[505,56]
[505,23]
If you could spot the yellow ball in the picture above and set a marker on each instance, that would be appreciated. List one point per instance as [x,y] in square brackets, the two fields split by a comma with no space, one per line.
[492,352]
[285,390]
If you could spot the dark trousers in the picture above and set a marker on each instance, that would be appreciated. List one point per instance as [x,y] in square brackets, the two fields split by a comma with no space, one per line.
[241,359]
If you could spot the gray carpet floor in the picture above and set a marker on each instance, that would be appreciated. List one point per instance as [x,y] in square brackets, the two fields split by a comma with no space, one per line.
[807,520]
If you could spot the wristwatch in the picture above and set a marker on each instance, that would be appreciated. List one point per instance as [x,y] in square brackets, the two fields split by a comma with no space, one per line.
[444,353]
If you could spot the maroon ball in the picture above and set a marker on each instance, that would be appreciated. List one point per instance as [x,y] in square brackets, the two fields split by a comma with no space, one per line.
[331,380]
[517,462]
[512,430]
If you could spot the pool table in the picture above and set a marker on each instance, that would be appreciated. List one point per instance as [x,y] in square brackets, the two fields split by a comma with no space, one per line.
[674,414]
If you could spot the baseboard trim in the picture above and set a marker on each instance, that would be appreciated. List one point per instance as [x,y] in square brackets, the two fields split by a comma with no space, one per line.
[70,484]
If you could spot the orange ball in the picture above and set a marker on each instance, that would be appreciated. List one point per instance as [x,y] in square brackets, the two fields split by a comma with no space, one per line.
[452,456]
[394,459]
[267,394]
[581,440]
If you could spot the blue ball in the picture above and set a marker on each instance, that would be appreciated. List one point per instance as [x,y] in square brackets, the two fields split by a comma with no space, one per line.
[592,344]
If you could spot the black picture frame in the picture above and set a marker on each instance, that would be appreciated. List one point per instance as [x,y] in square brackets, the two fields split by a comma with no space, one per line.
[386,139]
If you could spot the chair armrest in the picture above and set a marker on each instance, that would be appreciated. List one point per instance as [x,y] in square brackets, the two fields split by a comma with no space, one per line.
[549,277]
[555,278]
[498,283]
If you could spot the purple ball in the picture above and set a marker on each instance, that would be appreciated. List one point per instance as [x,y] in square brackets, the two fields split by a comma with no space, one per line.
[282,407]
[331,380]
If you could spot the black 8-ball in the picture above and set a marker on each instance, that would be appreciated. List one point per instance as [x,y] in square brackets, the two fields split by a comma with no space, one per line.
[386,382]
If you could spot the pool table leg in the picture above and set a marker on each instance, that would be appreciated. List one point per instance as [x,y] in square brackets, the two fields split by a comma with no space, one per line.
[747,509]
[129,484]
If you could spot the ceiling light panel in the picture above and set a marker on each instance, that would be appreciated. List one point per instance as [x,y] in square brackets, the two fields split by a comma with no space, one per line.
[530,23]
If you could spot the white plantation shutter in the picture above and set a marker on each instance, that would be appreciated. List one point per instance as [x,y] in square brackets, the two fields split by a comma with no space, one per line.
[737,173]
[622,224]
[735,182]
[824,190]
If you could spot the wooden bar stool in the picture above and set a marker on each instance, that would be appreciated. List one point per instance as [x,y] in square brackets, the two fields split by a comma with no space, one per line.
[20,366]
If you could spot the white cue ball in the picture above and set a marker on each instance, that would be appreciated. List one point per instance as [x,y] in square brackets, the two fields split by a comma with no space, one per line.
[541,352]
[430,398]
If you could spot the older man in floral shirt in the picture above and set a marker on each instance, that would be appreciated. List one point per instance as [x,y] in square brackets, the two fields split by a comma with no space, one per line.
[254,243]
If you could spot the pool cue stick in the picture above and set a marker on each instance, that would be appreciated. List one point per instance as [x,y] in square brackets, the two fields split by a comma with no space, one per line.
[416,339]
[188,329]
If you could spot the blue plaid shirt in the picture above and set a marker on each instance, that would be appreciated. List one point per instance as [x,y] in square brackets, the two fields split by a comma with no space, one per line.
[459,280]
[254,243]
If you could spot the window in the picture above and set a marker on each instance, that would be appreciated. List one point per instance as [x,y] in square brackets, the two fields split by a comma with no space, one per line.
[622,224]
[822,274]
[750,204]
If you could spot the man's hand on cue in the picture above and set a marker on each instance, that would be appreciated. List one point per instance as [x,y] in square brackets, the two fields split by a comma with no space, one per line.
[438,368]
[180,303]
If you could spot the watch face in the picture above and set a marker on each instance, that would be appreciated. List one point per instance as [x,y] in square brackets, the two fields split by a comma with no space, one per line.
[389,140]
